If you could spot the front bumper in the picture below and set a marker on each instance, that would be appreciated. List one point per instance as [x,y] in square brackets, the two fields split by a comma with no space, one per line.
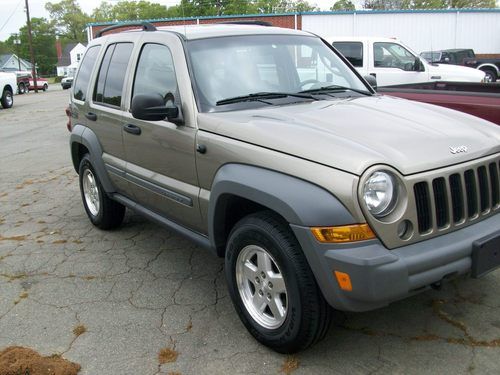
[380,276]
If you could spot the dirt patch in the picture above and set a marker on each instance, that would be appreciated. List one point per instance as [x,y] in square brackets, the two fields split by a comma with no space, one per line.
[16,360]
[167,355]
[59,241]
[79,330]
[290,365]
[13,238]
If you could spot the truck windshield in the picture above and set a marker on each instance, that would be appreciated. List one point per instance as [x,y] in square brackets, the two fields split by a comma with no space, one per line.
[239,66]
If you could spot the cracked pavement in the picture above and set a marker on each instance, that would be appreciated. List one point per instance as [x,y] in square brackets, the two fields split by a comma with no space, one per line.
[140,289]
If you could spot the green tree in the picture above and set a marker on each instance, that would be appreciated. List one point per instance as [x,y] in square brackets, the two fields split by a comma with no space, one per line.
[70,20]
[343,5]
[44,44]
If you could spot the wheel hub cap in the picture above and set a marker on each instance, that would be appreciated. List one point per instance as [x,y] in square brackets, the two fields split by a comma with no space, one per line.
[261,286]
[91,192]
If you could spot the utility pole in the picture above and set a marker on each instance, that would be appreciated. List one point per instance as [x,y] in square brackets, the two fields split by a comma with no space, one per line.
[30,42]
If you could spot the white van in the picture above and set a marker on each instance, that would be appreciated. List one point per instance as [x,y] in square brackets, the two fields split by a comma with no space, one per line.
[393,63]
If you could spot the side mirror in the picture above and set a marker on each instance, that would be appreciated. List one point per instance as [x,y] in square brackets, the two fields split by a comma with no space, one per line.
[419,65]
[152,107]
[372,81]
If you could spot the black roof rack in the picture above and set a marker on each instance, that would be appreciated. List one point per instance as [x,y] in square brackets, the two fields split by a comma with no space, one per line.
[146,26]
[249,22]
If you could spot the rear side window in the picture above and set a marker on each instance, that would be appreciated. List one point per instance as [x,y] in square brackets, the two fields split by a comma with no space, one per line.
[86,67]
[109,85]
[352,51]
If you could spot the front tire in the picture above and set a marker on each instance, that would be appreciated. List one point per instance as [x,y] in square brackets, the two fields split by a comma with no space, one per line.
[271,285]
[45,87]
[7,99]
[491,75]
[102,211]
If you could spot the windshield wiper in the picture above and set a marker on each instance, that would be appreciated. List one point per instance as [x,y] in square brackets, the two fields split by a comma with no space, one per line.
[261,96]
[330,88]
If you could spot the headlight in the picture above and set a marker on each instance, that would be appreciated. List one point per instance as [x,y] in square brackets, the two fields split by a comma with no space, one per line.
[380,193]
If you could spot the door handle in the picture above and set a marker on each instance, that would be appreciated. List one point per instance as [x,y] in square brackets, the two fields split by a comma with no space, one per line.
[132,129]
[374,74]
[91,116]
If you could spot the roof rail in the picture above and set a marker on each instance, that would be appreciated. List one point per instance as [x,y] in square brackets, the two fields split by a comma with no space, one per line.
[146,26]
[249,22]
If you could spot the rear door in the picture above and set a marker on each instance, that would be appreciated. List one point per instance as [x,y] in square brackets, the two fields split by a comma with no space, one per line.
[161,154]
[105,111]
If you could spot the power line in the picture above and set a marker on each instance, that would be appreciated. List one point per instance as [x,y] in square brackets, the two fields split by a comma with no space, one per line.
[8,18]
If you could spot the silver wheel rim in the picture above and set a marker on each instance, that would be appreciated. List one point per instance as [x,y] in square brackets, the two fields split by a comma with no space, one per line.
[261,287]
[91,192]
[8,99]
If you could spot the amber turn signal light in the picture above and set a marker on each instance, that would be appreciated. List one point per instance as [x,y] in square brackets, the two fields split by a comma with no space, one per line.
[344,281]
[345,233]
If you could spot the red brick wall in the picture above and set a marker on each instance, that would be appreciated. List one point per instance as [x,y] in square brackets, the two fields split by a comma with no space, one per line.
[286,21]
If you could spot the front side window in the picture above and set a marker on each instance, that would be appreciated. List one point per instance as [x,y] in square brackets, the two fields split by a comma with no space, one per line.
[228,67]
[110,80]
[155,72]
[393,55]
[352,51]
[83,77]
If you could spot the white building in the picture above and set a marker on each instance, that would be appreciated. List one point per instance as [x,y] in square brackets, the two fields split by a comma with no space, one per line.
[69,58]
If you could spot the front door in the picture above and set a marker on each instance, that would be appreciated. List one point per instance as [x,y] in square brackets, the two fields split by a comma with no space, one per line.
[160,155]
[393,64]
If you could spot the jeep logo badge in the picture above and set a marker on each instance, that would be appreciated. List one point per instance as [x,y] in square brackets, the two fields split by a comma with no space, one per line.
[458,149]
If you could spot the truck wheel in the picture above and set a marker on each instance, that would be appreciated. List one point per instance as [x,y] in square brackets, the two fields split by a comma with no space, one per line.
[22,88]
[7,99]
[271,285]
[102,211]
[491,75]
[45,87]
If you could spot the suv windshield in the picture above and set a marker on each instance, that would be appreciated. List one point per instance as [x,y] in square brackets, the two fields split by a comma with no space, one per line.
[238,67]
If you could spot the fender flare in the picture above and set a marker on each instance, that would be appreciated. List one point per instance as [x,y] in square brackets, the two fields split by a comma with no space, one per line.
[82,135]
[299,202]
[489,65]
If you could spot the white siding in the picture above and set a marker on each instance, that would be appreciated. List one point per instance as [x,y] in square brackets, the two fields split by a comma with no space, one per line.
[421,31]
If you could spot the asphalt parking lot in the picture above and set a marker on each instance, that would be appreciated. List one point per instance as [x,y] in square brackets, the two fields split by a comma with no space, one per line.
[112,301]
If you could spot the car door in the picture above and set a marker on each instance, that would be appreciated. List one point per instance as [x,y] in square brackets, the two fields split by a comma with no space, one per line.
[393,64]
[160,155]
[105,111]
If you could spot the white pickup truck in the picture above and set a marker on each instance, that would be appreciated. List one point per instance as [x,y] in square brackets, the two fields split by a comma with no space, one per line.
[8,85]
[393,63]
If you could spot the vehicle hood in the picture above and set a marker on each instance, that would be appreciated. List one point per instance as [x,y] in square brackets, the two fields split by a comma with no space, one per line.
[353,134]
[456,73]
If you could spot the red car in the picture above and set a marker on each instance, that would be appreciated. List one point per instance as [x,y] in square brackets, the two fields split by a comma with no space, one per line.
[41,84]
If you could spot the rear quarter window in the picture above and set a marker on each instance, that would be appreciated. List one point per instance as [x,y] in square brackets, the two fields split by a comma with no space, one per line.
[352,51]
[82,79]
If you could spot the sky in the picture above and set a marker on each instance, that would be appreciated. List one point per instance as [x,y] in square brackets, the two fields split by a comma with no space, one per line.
[13,17]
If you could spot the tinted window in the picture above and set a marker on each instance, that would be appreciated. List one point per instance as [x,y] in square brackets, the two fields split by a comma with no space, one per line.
[352,51]
[86,67]
[155,72]
[101,77]
[112,74]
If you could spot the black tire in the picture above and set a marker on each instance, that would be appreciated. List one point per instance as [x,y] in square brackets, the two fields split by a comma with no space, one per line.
[308,315]
[491,75]
[45,87]
[110,213]
[21,88]
[7,99]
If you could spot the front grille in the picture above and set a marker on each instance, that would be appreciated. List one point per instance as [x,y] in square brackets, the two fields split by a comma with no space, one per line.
[451,200]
